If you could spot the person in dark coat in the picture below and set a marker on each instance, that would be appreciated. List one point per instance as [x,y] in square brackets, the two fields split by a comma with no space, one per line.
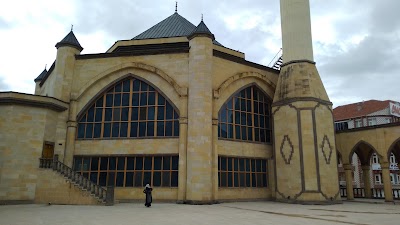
[147,190]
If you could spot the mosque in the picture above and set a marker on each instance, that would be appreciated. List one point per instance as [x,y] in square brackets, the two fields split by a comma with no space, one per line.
[176,109]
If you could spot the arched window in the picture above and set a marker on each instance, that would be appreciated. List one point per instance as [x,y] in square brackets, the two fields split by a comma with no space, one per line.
[130,109]
[246,116]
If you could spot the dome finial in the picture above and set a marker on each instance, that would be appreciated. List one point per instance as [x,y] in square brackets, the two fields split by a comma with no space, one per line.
[202,17]
[176,6]
[72,27]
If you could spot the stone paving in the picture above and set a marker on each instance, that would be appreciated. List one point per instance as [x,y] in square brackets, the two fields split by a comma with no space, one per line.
[226,213]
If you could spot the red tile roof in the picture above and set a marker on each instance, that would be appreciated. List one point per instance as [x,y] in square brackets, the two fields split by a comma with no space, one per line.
[359,109]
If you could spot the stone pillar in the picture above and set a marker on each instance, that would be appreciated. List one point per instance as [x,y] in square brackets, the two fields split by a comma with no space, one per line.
[215,157]
[387,184]
[71,134]
[367,181]
[348,170]
[305,151]
[199,144]
[183,126]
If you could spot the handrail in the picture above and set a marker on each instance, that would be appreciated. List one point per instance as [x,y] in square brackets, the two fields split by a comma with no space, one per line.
[104,194]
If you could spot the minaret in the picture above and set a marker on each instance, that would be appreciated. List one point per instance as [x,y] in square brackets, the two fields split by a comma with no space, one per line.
[199,183]
[305,153]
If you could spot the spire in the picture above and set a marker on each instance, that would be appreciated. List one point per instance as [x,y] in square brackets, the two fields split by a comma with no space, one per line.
[42,74]
[176,6]
[70,40]
[201,30]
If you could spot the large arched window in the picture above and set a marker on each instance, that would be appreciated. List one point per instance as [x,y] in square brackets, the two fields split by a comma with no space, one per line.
[246,116]
[130,109]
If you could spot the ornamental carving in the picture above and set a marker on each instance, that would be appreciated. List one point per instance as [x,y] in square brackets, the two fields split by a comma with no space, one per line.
[287,149]
[326,149]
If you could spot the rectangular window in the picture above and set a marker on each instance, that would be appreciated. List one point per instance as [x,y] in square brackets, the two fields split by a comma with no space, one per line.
[358,123]
[129,171]
[378,179]
[242,172]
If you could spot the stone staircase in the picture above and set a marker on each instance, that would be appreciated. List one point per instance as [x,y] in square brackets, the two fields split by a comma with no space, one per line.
[102,195]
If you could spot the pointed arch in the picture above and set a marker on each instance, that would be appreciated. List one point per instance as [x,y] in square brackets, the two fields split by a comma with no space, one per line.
[395,149]
[364,151]
[246,116]
[130,107]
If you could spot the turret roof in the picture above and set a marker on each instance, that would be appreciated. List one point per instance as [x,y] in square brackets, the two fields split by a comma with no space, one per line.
[202,29]
[70,40]
[40,77]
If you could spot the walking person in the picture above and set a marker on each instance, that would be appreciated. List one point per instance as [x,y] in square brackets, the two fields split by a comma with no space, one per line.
[147,190]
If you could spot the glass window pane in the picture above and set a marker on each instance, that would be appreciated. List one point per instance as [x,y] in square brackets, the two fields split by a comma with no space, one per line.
[236,179]
[242,105]
[253,180]
[258,165]
[248,107]
[237,131]
[126,86]
[168,128]
[103,179]
[117,114]
[157,162]
[236,102]
[103,163]
[135,114]
[161,100]
[125,99]
[121,163]
[93,177]
[151,88]
[97,130]
[138,178]
[262,124]
[229,104]
[262,135]
[81,130]
[117,99]
[175,162]
[229,160]
[146,178]
[249,134]
[90,117]
[166,179]
[99,102]
[157,179]
[112,163]
[223,179]
[109,100]
[124,130]
[143,113]
[169,111]
[95,163]
[120,179]
[241,165]
[160,129]
[224,132]
[136,85]
[130,163]
[142,129]
[249,119]
[237,117]
[135,99]
[248,165]
[253,165]
[230,182]
[243,118]
[223,164]
[99,114]
[118,87]
[129,179]
[265,184]
[125,114]
[143,98]
[235,164]
[248,92]
[174,179]
[230,131]
[152,98]
[176,128]
[108,115]
[143,86]
[150,113]
[139,163]
[89,130]
[115,130]
[107,130]
[248,181]
[261,108]
[255,105]
[260,181]
[147,163]
[222,115]
[86,163]
[160,113]
[242,179]
[166,162]
[134,127]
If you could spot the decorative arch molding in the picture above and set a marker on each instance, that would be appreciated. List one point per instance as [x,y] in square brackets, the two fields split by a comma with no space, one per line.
[240,76]
[181,91]
[353,150]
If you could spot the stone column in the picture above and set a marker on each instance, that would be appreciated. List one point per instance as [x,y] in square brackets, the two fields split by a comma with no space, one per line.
[348,170]
[71,134]
[387,184]
[215,157]
[367,181]
[183,125]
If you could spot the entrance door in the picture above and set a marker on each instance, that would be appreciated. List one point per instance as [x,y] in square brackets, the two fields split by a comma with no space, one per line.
[48,151]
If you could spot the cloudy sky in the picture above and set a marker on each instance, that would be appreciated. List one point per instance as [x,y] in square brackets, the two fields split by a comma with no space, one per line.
[356,46]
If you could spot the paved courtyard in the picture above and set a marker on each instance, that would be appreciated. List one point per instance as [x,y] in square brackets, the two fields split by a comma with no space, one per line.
[227,213]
